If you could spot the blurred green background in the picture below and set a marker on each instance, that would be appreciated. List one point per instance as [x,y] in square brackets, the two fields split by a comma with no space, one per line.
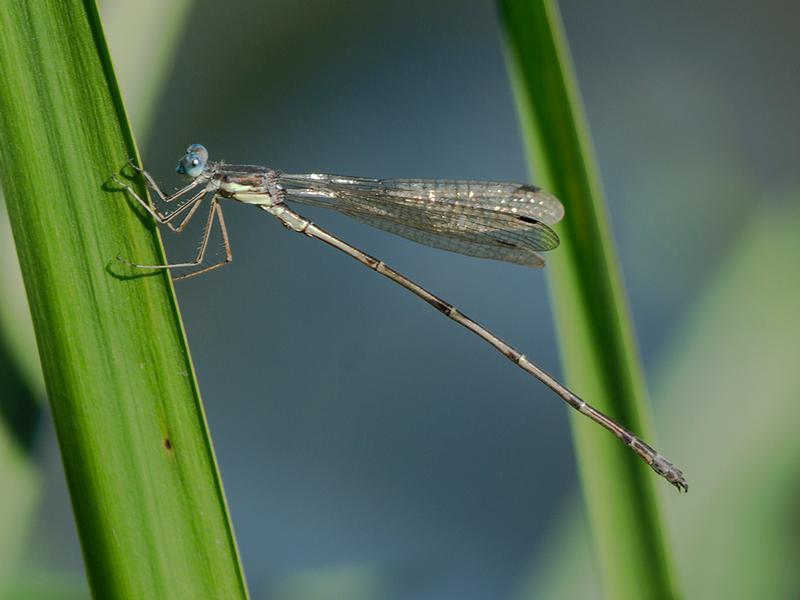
[371,449]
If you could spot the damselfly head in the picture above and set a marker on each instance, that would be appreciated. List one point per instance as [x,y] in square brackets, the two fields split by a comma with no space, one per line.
[194,162]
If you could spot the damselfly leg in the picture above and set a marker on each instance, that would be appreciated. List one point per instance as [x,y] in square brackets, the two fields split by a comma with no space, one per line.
[192,205]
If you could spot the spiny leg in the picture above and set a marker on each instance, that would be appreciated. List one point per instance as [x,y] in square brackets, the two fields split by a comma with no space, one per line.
[225,243]
[153,185]
[195,203]
[158,216]
[215,209]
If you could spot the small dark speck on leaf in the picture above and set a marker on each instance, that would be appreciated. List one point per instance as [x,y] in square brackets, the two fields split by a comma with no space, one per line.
[167,444]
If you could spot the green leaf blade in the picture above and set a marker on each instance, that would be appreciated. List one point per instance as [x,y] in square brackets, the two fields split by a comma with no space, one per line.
[143,479]
[596,337]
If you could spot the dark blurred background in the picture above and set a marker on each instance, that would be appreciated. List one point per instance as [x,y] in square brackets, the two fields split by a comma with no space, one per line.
[372,449]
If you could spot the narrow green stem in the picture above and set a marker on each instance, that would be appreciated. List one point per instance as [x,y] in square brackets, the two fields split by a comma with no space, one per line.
[596,337]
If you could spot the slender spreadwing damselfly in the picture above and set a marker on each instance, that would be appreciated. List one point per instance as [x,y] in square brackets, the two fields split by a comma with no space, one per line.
[504,221]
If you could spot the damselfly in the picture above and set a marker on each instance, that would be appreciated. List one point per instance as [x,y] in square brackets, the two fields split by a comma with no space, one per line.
[504,221]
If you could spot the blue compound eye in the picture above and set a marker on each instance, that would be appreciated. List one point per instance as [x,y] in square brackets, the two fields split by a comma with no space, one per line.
[193,162]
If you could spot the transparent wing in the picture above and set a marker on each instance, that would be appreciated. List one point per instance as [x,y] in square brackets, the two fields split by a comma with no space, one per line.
[503,221]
